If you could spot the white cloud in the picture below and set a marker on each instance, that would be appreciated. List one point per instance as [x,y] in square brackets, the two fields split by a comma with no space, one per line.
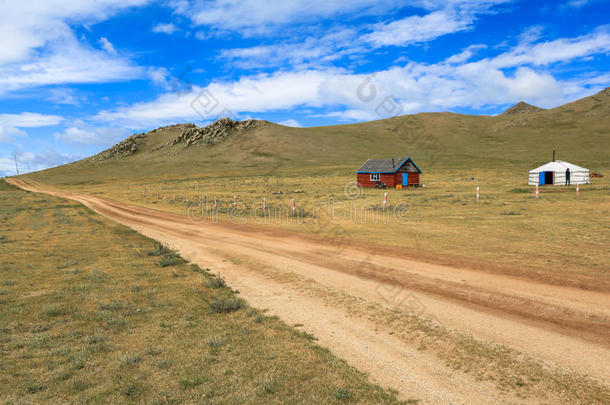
[7,134]
[291,123]
[168,28]
[28,25]
[578,3]
[256,94]
[64,96]
[562,49]
[352,115]
[250,17]
[10,124]
[416,29]
[29,120]
[405,89]
[107,45]
[310,52]
[159,76]
[38,47]
[319,48]
[67,61]
[446,17]
[531,34]
[82,133]
[466,54]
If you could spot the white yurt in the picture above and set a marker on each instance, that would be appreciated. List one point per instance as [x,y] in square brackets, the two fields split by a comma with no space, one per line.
[555,173]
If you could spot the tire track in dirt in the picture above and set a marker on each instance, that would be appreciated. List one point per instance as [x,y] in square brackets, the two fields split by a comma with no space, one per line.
[560,325]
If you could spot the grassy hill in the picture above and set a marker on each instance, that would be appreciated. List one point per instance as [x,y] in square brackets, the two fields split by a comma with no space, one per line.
[520,139]
[558,237]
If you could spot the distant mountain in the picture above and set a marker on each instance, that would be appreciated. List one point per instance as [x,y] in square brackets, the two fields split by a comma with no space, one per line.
[522,108]
[522,137]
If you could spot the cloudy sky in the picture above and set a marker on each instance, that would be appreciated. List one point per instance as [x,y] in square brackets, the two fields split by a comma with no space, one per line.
[79,75]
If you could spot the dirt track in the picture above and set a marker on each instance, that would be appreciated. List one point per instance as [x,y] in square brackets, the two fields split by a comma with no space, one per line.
[559,325]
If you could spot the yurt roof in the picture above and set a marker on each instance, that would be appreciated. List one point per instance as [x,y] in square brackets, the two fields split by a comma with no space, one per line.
[559,166]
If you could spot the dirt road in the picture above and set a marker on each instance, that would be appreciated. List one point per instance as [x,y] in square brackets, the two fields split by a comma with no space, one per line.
[328,287]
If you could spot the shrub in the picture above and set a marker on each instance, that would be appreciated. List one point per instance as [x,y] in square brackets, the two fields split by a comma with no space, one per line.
[342,393]
[169,257]
[191,382]
[269,385]
[159,250]
[216,341]
[79,385]
[34,388]
[170,260]
[54,310]
[152,351]
[98,276]
[221,305]
[130,359]
[97,338]
[163,364]
[216,282]
[114,305]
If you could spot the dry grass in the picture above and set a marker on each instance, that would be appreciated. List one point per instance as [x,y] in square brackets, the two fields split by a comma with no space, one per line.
[89,317]
[558,235]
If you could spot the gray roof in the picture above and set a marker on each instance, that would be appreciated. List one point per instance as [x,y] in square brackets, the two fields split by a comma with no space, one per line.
[381,165]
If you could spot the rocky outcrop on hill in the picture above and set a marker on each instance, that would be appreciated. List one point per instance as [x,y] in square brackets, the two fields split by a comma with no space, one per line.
[126,147]
[214,133]
[129,146]
[178,126]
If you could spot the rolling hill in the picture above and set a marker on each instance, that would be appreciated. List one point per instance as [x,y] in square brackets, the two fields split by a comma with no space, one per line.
[521,138]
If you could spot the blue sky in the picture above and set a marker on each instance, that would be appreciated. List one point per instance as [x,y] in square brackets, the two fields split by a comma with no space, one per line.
[77,76]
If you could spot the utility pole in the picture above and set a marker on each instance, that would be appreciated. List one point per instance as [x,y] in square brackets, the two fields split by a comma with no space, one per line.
[16,165]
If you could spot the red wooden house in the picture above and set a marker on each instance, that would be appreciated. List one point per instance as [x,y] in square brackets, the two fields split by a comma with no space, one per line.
[392,172]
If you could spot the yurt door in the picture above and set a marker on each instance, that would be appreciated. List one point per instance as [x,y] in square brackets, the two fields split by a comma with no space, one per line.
[541,178]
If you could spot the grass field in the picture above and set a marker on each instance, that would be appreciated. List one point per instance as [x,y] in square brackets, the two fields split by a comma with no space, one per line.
[72,334]
[559,234]
[93,312]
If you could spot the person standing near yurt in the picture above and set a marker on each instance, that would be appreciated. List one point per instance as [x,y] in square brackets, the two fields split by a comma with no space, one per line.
[568,176]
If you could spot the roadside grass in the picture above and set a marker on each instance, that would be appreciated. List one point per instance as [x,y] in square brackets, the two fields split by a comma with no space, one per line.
[509,229]
[89,316]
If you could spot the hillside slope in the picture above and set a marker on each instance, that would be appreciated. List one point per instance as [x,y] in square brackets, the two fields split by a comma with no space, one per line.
[521,138]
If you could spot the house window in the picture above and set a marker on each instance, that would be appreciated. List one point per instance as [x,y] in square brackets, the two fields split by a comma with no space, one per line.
[374,176]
